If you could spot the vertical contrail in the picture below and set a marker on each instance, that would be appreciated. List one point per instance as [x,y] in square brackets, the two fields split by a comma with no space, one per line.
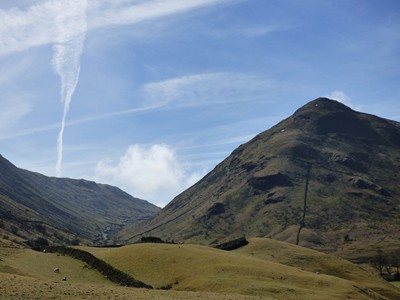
[71,28]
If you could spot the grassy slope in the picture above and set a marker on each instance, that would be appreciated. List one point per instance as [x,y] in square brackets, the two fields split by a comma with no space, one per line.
[264,269]
[21,287]
[26,262]
[314,261]
[249,271]
[26,274]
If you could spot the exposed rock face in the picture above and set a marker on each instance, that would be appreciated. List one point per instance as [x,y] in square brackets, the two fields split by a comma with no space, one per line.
[265,183]
[353,188]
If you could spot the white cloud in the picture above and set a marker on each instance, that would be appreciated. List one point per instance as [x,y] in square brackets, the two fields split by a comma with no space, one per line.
[341,97]
[152,173]
[205,89]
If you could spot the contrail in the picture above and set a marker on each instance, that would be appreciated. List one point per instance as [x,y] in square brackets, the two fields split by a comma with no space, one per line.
[71,27]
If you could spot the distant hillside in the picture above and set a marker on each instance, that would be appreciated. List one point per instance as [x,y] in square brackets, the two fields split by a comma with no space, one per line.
[351,161]
[64,210]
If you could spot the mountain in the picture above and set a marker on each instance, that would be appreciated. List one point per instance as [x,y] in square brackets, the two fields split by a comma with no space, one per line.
[64,210]
[342,164]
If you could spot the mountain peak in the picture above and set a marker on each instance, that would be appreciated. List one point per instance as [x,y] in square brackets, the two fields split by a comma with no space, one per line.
[258,190]
[324,116]
[324,104]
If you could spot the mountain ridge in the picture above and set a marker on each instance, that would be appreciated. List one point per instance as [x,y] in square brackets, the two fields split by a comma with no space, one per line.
[259,189]
[63,208]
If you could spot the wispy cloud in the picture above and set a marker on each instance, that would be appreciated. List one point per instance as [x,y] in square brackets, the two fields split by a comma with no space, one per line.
[36,26]
[87,119]
[71,28]
[205,89]
[11,69]
[249,31]
[23,29]
[256,31]
[106,13]
[149,172]
[26,132]
[223,142]
[65,23]
[13,109]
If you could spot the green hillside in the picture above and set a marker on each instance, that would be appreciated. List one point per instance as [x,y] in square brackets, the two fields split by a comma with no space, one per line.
[349,160]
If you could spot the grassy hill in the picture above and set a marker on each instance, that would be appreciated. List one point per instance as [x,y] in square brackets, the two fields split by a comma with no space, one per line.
[318,262]
[350,160]
[264,268]
[27,274]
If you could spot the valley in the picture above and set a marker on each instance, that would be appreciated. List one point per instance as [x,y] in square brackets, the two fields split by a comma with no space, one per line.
[313,180]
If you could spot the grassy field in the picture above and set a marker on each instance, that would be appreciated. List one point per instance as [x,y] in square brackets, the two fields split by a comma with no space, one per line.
[314,261]
[21,288]
[26,274]
[396,283]
[264,269]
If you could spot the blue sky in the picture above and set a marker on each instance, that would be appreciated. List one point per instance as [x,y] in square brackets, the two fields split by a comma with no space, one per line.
[155,93]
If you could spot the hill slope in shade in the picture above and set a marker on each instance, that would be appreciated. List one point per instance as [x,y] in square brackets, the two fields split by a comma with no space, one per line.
[61,209]
[351,159]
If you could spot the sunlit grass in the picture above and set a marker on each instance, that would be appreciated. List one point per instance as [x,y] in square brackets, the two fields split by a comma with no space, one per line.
[264,269]
[201,268]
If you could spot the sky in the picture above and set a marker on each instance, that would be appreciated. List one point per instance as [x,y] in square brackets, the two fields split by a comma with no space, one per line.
[150,95]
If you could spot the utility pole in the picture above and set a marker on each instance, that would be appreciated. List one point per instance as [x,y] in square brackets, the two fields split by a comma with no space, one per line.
[303,223]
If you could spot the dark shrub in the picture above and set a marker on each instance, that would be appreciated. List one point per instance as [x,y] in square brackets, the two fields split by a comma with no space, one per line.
[232,245]
[151,239]
[38,243]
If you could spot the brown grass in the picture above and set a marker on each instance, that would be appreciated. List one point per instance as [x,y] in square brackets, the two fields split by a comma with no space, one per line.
[200,268]
[26,274]
[265,269]
[21,288]
[315,261]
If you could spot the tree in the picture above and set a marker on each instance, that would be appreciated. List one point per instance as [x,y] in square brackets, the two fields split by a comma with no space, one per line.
[379,261]
[394,260]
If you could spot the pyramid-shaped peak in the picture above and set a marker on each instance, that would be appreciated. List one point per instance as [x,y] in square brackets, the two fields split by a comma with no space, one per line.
[326,116]
[324,105]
